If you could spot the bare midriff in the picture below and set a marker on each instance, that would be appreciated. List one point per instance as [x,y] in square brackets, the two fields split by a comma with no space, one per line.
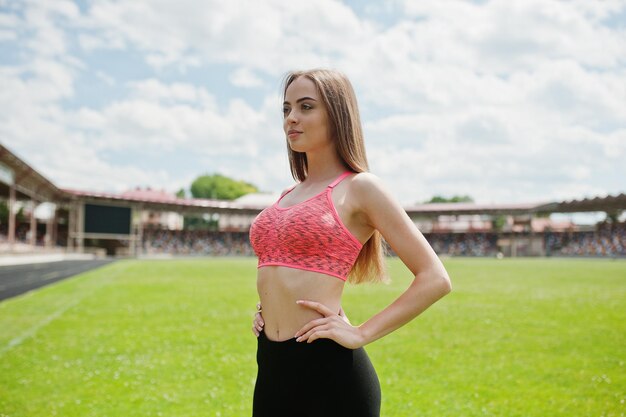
[280,287]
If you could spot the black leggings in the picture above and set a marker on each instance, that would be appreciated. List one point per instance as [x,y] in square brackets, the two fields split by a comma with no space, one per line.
[321,378]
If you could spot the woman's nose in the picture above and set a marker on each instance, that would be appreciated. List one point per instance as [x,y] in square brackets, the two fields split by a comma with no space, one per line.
[291,118]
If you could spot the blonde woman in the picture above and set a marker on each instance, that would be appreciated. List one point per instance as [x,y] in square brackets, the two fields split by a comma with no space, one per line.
[322,232]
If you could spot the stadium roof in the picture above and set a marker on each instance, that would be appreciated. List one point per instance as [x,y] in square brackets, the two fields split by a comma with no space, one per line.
[167,203]
[157,201]
[436,209]
[606,204]
[28,182]
[31,184]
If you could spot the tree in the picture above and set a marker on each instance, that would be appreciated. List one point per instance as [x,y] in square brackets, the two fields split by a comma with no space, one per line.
[453,199]
[498,222]
[217,186]
[4,213]
[199,223]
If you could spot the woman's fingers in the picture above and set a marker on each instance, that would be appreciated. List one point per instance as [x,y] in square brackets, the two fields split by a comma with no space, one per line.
[319,307]
[316,330]
[328,314]
[307,328]
[258,319]
[321,334]
[257,322]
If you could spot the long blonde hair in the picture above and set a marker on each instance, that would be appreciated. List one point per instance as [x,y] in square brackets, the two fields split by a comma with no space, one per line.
[346,131]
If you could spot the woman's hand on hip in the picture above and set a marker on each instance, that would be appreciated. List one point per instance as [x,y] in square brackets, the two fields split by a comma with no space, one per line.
[332,326]
[257,323]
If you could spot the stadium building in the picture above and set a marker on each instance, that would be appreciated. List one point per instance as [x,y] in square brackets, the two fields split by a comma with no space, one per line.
[146,222]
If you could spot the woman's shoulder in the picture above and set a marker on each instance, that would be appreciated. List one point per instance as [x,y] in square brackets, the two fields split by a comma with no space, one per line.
[364,182]
[367,188]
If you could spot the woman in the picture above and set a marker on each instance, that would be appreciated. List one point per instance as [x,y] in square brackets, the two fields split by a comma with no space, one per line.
[321,232]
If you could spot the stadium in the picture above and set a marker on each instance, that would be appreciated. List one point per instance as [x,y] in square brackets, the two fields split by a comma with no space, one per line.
[156,319]
[141,223]
[119,299]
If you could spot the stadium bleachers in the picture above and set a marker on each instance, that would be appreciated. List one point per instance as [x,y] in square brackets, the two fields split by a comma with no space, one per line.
[607,240]
[463,244]
[196,242]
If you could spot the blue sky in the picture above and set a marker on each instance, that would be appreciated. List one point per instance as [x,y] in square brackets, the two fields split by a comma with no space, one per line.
[505,101]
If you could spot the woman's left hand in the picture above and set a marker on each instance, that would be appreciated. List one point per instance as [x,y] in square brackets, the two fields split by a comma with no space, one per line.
[331,326]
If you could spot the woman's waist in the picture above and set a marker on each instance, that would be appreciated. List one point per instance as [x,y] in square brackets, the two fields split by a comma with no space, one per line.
[283,317]
[279,288]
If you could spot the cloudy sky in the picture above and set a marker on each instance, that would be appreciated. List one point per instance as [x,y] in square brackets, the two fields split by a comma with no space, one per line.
[506,101]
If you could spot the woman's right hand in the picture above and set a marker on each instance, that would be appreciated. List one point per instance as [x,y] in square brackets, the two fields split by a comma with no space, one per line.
[257,323]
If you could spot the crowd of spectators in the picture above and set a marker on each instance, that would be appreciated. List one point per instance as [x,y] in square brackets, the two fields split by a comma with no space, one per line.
[196,242]
[237,243]
[463,244]
[609,239]
[202,242]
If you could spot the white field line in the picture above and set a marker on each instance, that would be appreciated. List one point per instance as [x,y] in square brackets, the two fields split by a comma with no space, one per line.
[48,319]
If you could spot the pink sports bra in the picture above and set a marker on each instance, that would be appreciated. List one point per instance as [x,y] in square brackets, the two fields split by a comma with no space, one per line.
[308,235]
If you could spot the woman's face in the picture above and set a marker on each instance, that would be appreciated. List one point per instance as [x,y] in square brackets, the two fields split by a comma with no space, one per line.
[305,117]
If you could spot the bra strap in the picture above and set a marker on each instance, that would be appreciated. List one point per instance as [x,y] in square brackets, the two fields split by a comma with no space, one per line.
[339,179]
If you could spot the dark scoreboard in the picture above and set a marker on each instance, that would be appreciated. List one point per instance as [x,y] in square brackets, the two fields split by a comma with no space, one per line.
[107,219]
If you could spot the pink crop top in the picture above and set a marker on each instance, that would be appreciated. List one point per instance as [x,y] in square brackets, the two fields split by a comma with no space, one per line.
[308,235]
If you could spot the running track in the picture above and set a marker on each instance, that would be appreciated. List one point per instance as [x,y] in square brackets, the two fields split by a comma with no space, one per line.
[18,279]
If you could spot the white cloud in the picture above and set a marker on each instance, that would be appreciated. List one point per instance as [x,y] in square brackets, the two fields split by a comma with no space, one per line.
[7,35]
[8,27]
[505,101]
[270,36]
[156,91]
[91,43]
[110,81]
[49,39]
[244,77]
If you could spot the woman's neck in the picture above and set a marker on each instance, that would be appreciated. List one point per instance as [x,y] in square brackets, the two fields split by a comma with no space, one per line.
[322,167]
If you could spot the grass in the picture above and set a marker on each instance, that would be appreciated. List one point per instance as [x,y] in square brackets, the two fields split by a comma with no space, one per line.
[526,337]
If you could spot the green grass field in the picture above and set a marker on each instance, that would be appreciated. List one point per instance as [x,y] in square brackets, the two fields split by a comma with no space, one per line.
[527,337]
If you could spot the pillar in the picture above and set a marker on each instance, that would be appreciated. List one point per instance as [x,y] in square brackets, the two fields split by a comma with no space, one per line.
[33,224]
[71,224]
[49,229]
[11,231]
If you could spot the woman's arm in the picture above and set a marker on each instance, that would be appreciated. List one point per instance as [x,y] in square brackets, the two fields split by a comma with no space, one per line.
[383,213]
[431,281]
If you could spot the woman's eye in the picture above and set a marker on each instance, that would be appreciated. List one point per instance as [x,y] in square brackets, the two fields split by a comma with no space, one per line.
[285,110]
[306,107]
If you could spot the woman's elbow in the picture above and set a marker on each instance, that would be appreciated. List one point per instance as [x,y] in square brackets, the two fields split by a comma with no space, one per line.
[438,281]
[441,281]
[445,283]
